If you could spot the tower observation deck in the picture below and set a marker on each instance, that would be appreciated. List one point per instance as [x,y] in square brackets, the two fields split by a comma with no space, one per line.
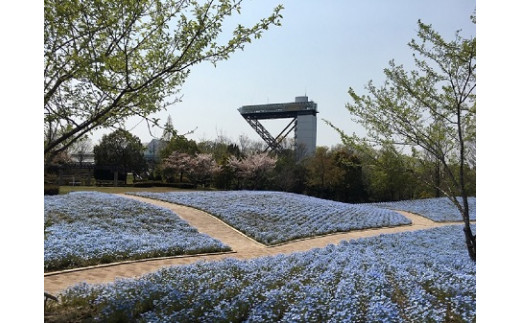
[302,113]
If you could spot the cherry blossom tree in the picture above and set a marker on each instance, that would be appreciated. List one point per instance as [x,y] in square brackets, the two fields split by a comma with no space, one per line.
[177,163]
[201,168]
[252,170]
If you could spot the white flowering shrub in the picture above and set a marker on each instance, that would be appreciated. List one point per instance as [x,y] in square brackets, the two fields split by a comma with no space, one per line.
[276,217]
[87,228]
[436,209]
[421,276]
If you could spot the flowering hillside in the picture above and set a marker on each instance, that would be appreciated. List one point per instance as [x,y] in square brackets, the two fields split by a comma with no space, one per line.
[88,228]
[436,209]
[276,217]
[421,276]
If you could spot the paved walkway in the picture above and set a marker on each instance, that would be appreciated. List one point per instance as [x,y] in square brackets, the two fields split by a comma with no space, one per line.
[243,247]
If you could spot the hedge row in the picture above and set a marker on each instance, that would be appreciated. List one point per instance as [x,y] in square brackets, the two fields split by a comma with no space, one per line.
[161,184]
[51,189]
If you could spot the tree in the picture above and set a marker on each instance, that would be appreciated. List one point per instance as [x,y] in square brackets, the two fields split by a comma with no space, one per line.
[174,142]
[180,144]
[81,149]
[335,174]
[221,149]
[351,188]
[323,173]
[248,146]
[121,151]
[388,175]
[105,61]
[201,168]
[176,163]
[61,158]
[169,131]
[253,169]
[289,174]
[431,110]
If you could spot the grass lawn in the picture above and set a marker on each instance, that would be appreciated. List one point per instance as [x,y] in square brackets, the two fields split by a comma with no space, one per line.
[117,190]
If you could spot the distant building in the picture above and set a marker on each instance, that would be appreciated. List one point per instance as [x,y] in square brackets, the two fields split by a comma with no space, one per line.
[83,158]
[153,150]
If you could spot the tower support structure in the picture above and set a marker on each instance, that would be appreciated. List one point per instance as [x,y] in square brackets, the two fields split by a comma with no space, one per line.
[302,115]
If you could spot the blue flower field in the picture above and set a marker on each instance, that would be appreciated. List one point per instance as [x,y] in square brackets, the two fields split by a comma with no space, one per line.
[435,209]
[421,276]
[277,217]
[89,228]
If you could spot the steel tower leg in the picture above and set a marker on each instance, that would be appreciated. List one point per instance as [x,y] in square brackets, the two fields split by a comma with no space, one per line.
[266,136]
[275,144]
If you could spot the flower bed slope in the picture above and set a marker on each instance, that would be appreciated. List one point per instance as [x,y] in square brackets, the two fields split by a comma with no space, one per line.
[436,209]
[89,228]
[422,276]
[277,217]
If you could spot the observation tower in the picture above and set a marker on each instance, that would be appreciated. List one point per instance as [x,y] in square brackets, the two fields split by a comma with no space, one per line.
[302,113]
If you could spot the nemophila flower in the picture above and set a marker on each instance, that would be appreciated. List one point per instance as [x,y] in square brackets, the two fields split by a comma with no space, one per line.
[276,217]
[436,209]
[90,228]
[405,277]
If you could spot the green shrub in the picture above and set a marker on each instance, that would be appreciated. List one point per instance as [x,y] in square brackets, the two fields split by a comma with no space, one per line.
[161,184]
[51,189]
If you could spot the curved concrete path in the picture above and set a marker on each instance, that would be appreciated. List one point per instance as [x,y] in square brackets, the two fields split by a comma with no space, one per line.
[243,247]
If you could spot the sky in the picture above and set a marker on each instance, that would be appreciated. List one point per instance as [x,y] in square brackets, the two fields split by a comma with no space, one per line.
[321,49]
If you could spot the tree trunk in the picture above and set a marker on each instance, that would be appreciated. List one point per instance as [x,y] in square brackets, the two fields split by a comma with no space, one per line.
[437,179]
[471,240]
[471,243]
[116,177]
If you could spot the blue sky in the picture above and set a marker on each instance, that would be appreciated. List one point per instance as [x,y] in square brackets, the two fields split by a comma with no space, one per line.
[321,49]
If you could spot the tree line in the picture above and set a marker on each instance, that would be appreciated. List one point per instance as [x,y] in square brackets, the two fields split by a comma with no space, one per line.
[338,173]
